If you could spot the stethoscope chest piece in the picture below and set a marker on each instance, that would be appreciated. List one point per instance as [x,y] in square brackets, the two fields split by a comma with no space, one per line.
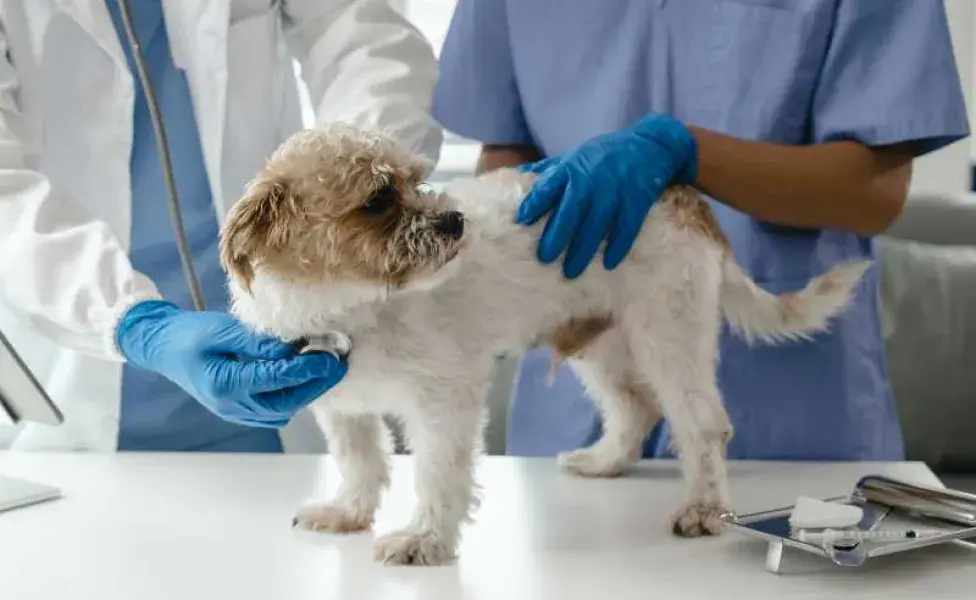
[335,343]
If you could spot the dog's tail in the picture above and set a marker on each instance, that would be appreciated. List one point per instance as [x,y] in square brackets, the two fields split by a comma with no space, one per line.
[757,315]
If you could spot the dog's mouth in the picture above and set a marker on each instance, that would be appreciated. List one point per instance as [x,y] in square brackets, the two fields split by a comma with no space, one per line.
[454,238]
[419,251]
[429,241]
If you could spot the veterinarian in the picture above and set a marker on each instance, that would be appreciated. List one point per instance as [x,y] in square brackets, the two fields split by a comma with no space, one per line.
[800,118]
[92,288]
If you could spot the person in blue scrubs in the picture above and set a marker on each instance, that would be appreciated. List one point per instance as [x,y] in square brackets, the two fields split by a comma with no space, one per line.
[799,120]
[156,414]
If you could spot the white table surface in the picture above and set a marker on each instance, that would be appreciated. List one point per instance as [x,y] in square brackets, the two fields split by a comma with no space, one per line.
[179,527]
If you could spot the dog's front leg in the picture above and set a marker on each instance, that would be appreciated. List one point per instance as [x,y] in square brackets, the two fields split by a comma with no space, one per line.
[444,438]
[359,444]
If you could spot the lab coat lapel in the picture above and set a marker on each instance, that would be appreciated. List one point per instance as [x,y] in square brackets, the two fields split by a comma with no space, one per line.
[197,33]
[94,18]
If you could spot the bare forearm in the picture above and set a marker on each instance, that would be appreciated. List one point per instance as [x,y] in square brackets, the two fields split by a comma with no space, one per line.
[841,185]
[498,157]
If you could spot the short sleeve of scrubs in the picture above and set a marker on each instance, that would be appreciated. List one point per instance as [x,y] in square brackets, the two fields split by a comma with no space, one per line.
[889,76]
[477,94]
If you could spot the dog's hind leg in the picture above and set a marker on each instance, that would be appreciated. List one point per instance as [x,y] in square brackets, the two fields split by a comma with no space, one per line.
[359,445]
[679,361]
[628,408]
[701,430]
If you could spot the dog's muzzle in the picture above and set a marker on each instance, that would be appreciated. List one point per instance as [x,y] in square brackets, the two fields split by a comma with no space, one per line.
[450,224]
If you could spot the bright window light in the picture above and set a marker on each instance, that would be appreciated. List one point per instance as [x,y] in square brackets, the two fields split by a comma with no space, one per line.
[432,17]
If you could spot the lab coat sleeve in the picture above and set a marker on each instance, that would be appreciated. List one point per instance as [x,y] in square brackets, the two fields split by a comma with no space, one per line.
[890,76]
[364,63]
[65,273]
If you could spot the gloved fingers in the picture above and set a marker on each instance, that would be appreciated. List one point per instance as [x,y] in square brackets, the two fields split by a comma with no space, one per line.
[270,376]
[251,385]
[543,197]
[264,420]
[591,233]
[288,401]
[624,232]
[247,345]
[566,221]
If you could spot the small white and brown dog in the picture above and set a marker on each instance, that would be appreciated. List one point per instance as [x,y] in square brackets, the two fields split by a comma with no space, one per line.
[339,233]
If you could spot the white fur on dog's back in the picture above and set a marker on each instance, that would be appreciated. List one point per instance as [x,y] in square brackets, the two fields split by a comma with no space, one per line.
[758,315]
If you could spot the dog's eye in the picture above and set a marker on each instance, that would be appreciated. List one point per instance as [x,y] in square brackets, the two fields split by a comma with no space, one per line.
[425,189]
[381,200]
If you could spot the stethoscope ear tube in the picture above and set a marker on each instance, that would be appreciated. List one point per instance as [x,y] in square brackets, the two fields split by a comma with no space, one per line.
[189,274]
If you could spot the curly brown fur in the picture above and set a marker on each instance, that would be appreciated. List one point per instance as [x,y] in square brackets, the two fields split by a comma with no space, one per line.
[339,205]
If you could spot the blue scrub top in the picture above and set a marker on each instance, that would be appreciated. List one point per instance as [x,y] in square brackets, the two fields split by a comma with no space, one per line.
[787,71]
[156,414]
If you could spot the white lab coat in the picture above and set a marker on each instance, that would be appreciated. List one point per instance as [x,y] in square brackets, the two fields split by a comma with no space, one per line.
[66,101]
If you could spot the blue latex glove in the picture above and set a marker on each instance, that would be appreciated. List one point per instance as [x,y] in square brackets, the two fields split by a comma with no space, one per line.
[603,190]
[241,377]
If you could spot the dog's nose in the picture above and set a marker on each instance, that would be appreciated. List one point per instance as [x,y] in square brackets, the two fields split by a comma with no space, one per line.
[450,224]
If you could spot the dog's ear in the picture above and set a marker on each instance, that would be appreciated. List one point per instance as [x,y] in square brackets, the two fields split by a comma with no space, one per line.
[254,225]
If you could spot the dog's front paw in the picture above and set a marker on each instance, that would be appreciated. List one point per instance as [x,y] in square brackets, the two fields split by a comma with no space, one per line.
[593,462]
[332,517]
[407,547]
[697,520]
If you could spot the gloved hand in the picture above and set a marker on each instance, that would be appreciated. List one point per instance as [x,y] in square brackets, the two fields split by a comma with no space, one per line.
[603,190]
[241,377]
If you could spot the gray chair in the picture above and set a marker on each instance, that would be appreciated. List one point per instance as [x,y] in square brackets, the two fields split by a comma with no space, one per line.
[928,297]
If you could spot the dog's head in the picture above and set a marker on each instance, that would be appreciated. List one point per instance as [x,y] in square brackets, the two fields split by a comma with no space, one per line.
[337,205]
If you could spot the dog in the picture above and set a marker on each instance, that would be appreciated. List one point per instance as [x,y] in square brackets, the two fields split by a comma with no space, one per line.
[339,233]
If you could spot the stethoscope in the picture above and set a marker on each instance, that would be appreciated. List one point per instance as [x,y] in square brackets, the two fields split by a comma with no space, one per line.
[336,343]
[189,274]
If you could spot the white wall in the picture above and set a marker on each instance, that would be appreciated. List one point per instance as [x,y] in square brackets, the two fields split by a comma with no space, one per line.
[432,17]
[948,170]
